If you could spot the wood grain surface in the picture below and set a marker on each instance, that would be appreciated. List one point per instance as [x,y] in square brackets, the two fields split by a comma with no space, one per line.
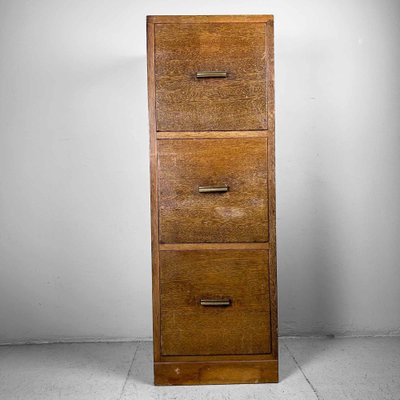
[187,327]
[272,186]
[185,103]
[214,246]
[212,132]
[153,192]
[215,373]
[200,19]
[187,216]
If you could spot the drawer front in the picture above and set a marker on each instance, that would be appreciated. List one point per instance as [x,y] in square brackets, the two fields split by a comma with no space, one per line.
[191,212]
[214,302]
[185,102]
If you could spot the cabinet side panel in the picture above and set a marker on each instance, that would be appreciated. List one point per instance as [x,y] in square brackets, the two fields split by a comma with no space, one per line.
[153,190]
[271,184]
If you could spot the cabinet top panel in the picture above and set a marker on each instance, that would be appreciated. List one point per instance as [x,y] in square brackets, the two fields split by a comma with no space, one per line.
[191,19]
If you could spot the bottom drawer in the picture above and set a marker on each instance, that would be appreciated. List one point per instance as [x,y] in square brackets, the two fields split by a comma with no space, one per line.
[214,302]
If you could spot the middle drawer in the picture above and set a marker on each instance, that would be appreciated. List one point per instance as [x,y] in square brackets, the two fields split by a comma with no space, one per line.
[213,190]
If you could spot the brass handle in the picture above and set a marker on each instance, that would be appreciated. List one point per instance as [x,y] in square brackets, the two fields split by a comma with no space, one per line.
[213,189]
[211,74]
[216,302]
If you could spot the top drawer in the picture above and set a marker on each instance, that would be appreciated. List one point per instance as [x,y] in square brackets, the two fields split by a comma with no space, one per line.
[186,102]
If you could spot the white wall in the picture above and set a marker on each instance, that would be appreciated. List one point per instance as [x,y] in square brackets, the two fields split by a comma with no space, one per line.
[74,181]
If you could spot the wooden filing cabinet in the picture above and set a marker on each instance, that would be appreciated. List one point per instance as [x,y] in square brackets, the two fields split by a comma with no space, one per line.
[211,111]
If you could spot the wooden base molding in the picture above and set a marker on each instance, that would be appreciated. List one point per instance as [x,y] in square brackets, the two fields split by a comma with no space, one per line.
[215,372]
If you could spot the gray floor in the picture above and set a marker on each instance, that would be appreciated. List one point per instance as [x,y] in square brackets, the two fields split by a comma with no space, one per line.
[351,368]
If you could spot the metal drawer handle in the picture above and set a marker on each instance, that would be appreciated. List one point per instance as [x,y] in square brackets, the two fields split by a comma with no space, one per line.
[216,302]
[213,189]
[211,74]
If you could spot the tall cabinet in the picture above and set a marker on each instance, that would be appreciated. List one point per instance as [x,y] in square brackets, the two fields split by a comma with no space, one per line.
[211,112]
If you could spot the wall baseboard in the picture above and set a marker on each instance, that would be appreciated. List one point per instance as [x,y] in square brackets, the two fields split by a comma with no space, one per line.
[9,342]
[67,340]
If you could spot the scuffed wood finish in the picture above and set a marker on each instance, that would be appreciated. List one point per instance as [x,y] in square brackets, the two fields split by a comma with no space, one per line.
[222,132]
[187,327]
[239,215]
[212,134]
[215,373]
[185,103]
[272,186]
[214,246]
[153,192]
[219,357]
[200,19]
